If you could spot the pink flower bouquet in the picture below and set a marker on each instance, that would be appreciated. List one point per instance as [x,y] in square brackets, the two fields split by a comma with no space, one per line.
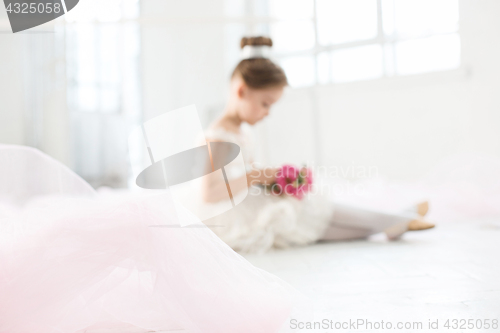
[292,181]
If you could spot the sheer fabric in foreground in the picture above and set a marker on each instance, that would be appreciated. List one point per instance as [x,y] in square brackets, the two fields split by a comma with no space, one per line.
[73,261]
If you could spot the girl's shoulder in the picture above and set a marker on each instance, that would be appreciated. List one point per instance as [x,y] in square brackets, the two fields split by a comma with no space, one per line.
[220,133]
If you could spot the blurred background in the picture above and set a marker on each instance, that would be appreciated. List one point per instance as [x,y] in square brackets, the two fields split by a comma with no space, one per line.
[394,84]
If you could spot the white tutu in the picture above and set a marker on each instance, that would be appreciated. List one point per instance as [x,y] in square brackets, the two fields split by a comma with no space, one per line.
[264,221]
[72,260]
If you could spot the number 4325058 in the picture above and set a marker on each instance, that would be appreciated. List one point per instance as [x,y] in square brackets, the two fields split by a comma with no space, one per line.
[32,8]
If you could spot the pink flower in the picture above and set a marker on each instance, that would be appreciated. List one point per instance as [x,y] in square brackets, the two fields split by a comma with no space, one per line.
[293,181]
[289,172]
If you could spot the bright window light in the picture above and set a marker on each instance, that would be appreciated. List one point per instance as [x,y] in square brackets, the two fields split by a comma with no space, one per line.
[341,21]
[414,36]
[436,53]
[356,64]
[87,98]
[102,64]
[291,9]
[299,70]
[104,11]
[418,18]
[110,100]
[289,36]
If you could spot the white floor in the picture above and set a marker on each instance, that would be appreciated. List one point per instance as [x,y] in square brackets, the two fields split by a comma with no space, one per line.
[450,272]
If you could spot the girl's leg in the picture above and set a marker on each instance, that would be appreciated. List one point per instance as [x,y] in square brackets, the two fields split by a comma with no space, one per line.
[350,222]
[338,233]
[422,208]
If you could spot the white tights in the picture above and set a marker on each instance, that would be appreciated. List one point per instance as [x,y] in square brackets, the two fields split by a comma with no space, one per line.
[349,222]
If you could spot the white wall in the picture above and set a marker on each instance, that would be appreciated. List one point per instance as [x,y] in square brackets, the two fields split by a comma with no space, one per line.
[403,126]
[182,58]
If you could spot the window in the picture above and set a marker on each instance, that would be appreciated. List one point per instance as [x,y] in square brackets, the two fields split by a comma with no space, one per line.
[334,41]
[103,90]
[102,56]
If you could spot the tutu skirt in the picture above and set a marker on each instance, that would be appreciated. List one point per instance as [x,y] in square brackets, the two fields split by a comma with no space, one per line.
[71,260]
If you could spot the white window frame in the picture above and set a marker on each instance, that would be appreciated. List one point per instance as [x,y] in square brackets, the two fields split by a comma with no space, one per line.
[380,39]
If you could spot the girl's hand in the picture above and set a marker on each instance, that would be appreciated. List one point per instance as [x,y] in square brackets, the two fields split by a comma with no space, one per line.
[265,176]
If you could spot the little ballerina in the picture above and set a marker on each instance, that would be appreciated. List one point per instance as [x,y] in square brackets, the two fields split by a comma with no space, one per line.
[264,221]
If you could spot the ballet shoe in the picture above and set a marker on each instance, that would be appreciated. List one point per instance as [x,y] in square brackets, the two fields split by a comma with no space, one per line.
[416,225]
[423,208]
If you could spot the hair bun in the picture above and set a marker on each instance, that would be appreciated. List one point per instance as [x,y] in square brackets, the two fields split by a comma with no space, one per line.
[256,41]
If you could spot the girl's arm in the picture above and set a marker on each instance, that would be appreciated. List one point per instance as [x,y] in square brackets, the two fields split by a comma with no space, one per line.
[214,190]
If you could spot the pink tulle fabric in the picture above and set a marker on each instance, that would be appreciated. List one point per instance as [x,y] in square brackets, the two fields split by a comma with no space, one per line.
[74,261]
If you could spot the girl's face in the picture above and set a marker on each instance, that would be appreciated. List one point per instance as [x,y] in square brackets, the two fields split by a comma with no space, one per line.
[254,104]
